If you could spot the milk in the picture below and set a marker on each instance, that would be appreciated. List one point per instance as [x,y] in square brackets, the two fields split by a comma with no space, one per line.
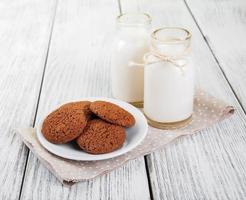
[130,44]
[168,92]
[127,78]
[169,89]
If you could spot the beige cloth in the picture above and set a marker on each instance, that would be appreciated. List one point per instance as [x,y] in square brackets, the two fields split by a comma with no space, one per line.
[207,111]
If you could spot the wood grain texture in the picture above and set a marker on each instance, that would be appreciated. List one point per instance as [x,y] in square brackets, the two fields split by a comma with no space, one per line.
[223,24]
[24,35]
[78,66]
[209,165]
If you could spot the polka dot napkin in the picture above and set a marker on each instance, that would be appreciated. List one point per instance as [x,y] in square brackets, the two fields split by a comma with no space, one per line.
[207,111]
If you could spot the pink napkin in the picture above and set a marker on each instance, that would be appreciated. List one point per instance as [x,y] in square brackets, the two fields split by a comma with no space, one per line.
[207,111]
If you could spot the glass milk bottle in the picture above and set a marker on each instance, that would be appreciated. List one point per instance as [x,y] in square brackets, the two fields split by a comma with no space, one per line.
[169,79]
[130,44]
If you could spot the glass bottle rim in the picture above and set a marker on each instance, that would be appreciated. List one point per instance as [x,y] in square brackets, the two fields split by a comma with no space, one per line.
[143,19]
[186,38]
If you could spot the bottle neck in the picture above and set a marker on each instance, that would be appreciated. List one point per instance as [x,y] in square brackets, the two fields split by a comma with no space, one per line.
[171,41]
[133,22]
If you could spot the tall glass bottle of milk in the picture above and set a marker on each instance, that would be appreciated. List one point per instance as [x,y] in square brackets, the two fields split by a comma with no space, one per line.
[132,41]
[169,79]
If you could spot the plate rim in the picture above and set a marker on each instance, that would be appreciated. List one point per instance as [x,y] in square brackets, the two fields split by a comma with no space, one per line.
[97,156]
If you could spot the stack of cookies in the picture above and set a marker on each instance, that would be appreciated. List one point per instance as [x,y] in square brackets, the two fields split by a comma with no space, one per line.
[97,127]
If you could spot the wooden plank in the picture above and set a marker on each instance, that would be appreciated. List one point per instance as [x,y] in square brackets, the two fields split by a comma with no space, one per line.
[24,34]
[78,66]
[223,24]
[210,165]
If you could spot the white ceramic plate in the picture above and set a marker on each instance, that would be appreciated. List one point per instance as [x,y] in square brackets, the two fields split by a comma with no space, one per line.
[134,136]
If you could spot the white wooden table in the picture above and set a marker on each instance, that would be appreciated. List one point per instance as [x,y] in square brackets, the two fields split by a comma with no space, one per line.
[56,50]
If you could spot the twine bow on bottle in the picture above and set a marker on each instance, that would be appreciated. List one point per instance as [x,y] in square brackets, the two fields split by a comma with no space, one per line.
[178,61]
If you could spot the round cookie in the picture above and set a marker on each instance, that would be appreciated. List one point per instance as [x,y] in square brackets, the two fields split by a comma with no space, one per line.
[112,113]
[66,123]
[101,137]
